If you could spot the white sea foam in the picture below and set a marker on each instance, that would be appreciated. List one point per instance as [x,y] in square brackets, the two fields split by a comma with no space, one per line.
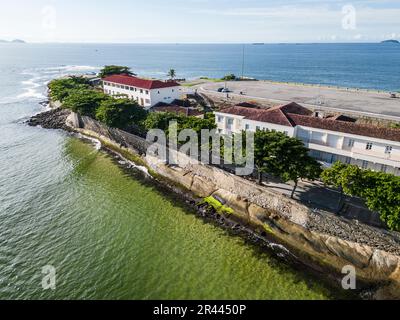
[33,87]
[71,68]
[96,142]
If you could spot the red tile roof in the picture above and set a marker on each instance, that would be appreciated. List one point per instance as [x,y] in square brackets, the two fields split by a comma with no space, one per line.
[276,115]
[346,127]
[140,83]
[294,115]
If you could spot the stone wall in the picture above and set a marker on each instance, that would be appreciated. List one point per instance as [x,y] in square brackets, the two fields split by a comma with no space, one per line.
[327,240]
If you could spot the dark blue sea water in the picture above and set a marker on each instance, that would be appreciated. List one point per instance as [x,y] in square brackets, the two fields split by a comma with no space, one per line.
[370,66]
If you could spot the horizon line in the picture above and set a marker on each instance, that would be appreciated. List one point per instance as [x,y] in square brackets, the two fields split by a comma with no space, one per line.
[194,43]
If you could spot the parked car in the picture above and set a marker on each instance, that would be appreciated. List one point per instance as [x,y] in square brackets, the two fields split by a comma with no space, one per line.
[226,90]
[220,89]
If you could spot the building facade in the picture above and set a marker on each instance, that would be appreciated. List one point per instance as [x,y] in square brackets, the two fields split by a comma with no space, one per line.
[329,139]
[147,93]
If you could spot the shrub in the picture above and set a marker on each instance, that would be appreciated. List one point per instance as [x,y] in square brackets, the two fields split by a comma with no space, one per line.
[111,70]
[60,89]
[381,191]
[229,77]
[84,101]
[120,113]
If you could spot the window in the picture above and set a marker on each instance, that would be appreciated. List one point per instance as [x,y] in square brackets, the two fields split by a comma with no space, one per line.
[365,164]
[220,118]
[369,146]
[350,143]
[247,127]
[158,92]
[388,149]
[141,90]
[173,90]
[286,133]
[131,88]
[258,128]
[147,91]
[230,121]
[147,100]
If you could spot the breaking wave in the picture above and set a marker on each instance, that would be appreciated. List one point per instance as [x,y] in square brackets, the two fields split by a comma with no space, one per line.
[69,69]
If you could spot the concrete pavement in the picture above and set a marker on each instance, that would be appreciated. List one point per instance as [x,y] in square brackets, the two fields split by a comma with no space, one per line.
[368,103]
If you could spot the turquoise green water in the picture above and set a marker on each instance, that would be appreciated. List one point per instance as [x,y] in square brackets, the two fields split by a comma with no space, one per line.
[111,236]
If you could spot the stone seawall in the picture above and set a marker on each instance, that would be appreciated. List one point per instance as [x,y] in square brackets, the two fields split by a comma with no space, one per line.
[328,241]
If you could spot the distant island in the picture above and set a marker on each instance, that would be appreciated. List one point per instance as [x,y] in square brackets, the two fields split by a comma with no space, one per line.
[391,41]
[12,41]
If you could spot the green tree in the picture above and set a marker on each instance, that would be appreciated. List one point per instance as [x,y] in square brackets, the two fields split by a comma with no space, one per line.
[172,74]
[293,162]
[61,88]
[264,152]
[229,77]
[283,157]
[84,101]
[111,70]
[161,120]
[381,191]
[333,177]
[120,113]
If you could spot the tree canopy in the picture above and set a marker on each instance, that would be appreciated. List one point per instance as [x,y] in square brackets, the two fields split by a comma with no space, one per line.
[84,101]
[120,113]
[229,77]
[284,157]
[381,191]
[172,74]
[111,70]
[161,120]
[61,88]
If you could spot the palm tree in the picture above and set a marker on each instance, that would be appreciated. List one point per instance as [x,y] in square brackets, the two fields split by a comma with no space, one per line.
[172,74]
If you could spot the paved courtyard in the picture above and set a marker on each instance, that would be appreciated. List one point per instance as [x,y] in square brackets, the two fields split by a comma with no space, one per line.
[353,100]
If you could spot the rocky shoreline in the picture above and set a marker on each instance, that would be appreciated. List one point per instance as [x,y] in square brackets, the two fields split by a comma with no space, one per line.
[52,119]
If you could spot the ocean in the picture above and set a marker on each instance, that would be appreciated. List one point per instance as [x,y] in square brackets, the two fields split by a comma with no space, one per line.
[114,235]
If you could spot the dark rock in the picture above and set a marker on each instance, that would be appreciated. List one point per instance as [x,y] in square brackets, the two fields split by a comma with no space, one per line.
[53,119]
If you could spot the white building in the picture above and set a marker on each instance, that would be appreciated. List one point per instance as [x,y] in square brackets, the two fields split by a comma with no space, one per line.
[147,93]
[329,139]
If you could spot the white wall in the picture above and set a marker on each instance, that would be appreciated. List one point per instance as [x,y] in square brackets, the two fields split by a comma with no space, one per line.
[253,125]
[166,95]
[239,124]
[337,143]
[145,98]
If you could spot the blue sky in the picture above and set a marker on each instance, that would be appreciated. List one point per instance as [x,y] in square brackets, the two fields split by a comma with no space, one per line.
[200,21]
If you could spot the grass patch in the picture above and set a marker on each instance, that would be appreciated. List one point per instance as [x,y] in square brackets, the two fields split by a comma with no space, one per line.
[212,79]
[218,206]
[268,229]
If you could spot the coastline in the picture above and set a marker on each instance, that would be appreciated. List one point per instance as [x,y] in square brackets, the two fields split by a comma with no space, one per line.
[271,226]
